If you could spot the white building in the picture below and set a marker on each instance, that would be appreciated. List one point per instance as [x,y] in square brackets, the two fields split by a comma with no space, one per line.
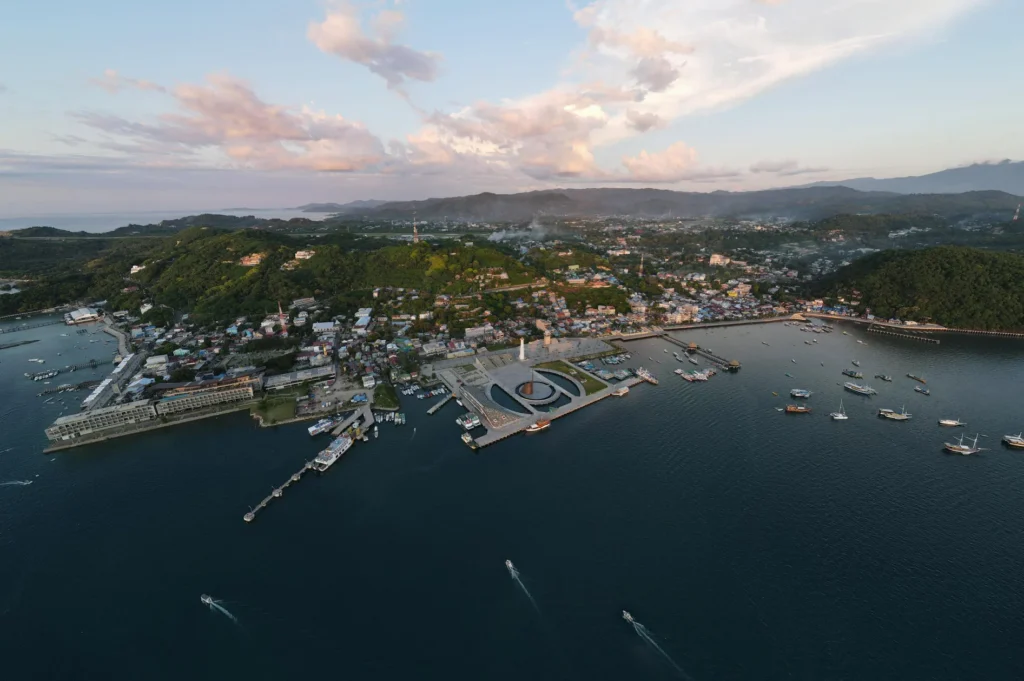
[97,420]
[82,315]
[137,268]
[145,307]
[304,255]
[325,327]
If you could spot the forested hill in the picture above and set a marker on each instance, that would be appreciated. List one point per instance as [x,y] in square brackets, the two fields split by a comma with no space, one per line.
[951,285]
[200,271]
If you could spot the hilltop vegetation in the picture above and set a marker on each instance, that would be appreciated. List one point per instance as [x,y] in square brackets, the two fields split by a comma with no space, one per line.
[199,271]
[951,285]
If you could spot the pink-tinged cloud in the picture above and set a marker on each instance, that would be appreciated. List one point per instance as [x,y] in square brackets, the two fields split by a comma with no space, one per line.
[676,163]
[225,115]
[113,82]
[644,121]
[341,33]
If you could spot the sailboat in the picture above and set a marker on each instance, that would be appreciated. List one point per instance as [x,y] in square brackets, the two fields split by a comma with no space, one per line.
[961,448]
[839,415]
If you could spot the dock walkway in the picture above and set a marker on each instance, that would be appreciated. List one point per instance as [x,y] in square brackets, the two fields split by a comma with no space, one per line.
[437,407]
[364,412]
[35,325]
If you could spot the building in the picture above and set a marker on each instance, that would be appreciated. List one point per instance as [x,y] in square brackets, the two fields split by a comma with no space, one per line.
[251,260]
[362,326]
[325,327]
[304,255]
[144,308]
[82,315]
[137,268]
[99,420]
[369,382]
[302,303]
[298,377]
[179,397]
[717,259]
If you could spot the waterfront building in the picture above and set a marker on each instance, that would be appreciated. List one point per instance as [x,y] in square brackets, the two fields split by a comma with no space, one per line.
[297,377]
[98,420]
[82,315]
[180,397]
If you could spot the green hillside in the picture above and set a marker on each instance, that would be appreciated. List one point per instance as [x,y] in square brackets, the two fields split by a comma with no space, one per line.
[951,285]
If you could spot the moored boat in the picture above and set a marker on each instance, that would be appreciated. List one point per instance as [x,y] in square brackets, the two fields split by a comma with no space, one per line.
[542,424]
[883,377]
[916,378]
[859,389]
[901,415]
[468,439]
[839,415]
[621,392]
[1015,441]
[951,423]
[852,374]
[797,409]
[923,391]
[800,393]
[960,448]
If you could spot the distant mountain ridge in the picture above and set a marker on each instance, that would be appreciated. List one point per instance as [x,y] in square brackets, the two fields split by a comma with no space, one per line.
[807,203]
[350,207]
[1005,176]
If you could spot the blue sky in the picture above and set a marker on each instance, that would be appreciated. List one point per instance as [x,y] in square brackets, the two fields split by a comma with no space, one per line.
[123,105]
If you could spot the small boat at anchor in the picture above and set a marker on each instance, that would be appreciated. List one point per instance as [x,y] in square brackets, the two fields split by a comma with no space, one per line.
[797,409]
[951,423]
[923,391]
[839,415]
[901,415]
[1014,441]
[960,448]
[883,377]
[542,424]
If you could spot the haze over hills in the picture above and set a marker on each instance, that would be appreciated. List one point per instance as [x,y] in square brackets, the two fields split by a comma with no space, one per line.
[350,207]
[807,203]
[1006,176]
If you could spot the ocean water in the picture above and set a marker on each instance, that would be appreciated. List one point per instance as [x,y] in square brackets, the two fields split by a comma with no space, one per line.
[750,544]
[104,222]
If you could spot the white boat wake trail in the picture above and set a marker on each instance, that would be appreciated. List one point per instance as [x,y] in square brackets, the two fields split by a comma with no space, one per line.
[642,632]
[21,483]
[216,604]
[515,576]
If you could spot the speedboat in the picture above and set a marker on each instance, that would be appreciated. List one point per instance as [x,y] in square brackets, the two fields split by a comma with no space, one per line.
[626,616]
[952,423]
[923,391]
[855,363]
[207,600]
[800,392]
[509,565]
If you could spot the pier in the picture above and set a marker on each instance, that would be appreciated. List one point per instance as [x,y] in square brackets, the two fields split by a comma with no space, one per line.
[365,412]
[92,364]
[697,350]
[34,325]
[437,407]
[278,492]
[911,336]
[5,346]
[87,385]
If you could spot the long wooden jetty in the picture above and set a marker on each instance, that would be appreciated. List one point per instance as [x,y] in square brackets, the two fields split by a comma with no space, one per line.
[278,492]
[34,325]
[696,349]
[91,364]
[877,329]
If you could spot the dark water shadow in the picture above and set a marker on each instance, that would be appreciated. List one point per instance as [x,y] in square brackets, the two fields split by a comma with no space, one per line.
[503,399]
[561,381]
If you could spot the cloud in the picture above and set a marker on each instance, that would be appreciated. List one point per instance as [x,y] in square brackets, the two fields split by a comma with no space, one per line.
[341,33]
[225,116]
[655,73]
[675,163]
[113,82]
[784,168]
[643,121]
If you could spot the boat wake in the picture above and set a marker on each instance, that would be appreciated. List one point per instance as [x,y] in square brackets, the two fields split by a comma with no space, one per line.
[224,611]
[514,573]
[643,633]
[19,483]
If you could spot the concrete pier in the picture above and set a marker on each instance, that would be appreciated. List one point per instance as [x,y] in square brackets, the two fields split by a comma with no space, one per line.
[365,412]
[434,409]
[278,492]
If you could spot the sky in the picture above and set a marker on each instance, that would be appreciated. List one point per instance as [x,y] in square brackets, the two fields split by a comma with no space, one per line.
[122,105]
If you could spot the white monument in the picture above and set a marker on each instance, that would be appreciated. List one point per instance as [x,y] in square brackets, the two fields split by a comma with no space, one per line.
[522,349]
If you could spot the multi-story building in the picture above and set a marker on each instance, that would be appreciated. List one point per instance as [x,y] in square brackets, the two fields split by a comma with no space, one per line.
[98,420]
[196,395]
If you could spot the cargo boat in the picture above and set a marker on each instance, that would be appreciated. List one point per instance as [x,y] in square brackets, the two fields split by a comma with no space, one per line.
[797,409]
[859,389]
[901,415]
[916,378]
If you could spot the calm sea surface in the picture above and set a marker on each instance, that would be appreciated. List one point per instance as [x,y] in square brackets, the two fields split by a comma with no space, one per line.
[750,544]
[104,222]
